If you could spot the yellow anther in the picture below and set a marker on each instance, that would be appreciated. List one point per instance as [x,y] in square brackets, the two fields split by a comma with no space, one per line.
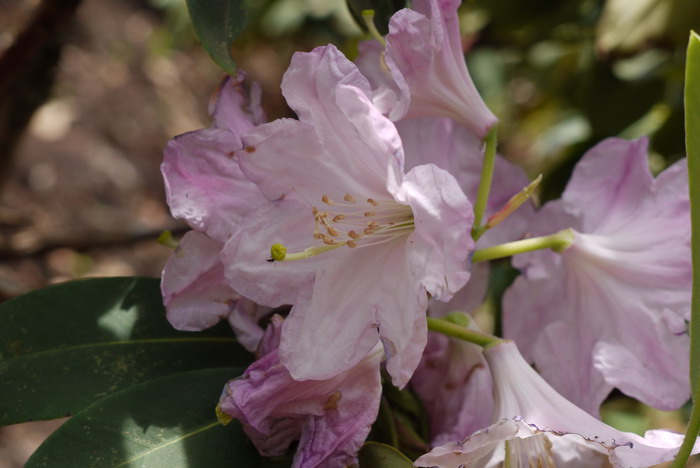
[339,217]
[351,244]
[327,200]
[349,198]
[372,202]
[368,231]
[354,235]
[332,231]
[278,252]
[370,213]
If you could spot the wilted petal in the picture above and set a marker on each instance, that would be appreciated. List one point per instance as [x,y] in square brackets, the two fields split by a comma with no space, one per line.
[195,292]
[330,418]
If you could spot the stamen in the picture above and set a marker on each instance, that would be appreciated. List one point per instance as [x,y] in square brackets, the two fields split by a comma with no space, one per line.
[370,213]
[372,202]
[339,217]
[351,244]
[327,240]
[354,235]
[349,198]
[327,200]
[332,231]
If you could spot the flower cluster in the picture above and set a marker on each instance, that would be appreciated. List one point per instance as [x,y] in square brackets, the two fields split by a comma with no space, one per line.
[358,215]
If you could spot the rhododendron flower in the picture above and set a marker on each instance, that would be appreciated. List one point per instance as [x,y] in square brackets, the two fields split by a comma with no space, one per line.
[422,72]
[536,426]
[330,418]
[358,243]
[206,188]
[611,310]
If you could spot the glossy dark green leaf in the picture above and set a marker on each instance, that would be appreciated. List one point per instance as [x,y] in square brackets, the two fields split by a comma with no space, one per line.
[164,423]
[376,455]
[66,346]
[217,23]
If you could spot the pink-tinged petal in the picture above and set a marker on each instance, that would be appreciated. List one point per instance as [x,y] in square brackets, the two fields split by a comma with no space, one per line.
[612,180]
[236,105]
[459,151]
[469,297]
[622,289]
[244,320]
[204,184]
[439,248]
[342,145]
[454,384]
[246,255]
[424,47]
[543,428]
[330,418]
[195,292]
[345,316]
[386,91]
[640,368]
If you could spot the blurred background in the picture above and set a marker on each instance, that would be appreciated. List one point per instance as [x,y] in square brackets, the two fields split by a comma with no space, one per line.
[92,90]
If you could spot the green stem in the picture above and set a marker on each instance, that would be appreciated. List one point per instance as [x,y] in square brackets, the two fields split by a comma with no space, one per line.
[482,196]
[692,144]
[557,242]
[368,16]
[691,433]
[452,329]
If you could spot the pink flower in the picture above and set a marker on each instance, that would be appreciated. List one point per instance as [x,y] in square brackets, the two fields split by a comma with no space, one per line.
[371,241]
[428,74]
[536,426]
[330,418]
[611,310]
[206,188]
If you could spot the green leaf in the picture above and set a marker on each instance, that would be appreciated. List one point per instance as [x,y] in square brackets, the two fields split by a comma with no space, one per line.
[66,346]
[692,143]
[376,455]
[169,422]
[217,23]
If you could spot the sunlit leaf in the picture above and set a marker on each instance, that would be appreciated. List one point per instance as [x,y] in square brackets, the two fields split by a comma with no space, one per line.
[164,423]
[66,346]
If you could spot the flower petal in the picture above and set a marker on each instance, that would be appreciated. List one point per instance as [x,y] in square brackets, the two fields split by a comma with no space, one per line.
[347,314]
[195,292]
[246,255]
[237,106]
[203,180]
[330,417]
[439,248]
[424,46]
